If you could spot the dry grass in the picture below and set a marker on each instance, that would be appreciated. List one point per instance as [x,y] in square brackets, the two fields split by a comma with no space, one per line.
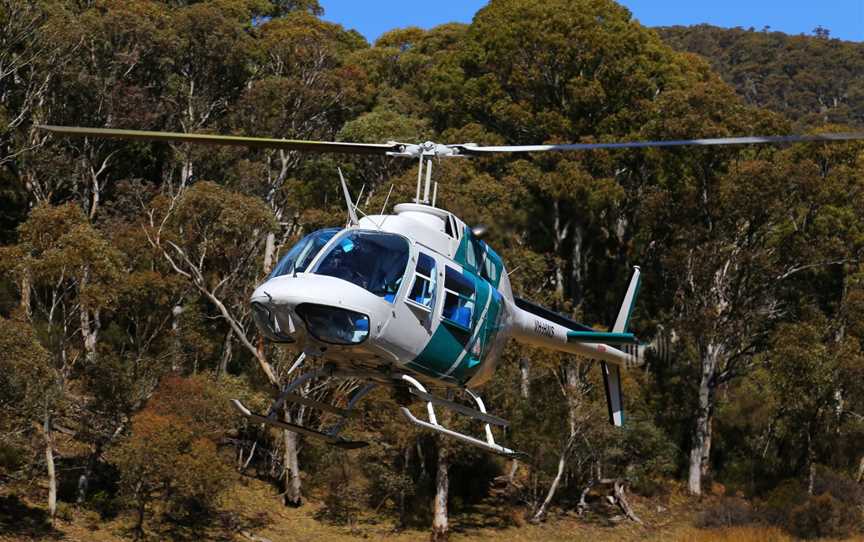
[253,506]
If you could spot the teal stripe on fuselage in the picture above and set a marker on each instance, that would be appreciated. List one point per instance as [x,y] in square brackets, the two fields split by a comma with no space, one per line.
[490,327]
[449,342]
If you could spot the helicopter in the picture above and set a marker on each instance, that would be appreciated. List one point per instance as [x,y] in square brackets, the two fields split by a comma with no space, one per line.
[416,300]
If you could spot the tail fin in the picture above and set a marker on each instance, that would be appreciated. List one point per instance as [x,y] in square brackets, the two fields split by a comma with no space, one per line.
[612,374]
[627,305]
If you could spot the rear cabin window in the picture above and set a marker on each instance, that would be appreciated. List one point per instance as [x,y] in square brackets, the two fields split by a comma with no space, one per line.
[458,299]
[422,291]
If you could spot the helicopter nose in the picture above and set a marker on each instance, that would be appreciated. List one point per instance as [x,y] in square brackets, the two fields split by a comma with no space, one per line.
[291,309]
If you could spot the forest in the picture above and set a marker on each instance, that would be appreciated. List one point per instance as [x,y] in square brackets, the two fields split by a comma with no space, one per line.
[126,270]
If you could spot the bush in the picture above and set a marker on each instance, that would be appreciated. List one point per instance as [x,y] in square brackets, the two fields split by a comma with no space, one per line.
[781,500]
[823,516]
[841,488]
[728,512]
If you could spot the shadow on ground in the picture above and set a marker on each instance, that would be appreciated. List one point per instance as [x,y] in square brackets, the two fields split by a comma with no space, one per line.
[18,518]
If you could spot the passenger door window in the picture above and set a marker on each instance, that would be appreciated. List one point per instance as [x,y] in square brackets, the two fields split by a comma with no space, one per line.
[458,299]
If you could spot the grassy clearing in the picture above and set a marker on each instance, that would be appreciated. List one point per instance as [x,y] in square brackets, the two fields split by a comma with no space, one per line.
[252,506]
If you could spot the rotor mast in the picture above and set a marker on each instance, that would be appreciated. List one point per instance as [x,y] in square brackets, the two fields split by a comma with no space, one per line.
[425,162]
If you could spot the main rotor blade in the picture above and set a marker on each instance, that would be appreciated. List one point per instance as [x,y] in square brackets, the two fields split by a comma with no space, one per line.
[472,150]
[209,139]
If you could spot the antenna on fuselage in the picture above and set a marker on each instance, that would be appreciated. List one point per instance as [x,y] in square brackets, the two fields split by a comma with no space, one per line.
[352,211]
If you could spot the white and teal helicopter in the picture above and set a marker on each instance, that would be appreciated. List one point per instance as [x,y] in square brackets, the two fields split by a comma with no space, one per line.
[416,300]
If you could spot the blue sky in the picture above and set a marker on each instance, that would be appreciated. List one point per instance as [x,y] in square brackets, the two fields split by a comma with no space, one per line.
[844,18]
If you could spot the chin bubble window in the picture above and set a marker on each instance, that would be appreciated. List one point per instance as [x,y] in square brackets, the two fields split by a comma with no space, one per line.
[333,325]
[374,261]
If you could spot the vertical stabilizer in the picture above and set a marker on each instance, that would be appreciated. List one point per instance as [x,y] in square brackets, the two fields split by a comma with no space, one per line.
[612,374]
[626,310]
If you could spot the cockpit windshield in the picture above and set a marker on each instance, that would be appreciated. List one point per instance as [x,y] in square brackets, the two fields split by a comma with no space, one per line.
[375,261]
[302,254]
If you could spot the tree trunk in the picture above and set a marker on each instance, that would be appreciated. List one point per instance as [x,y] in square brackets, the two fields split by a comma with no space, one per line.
[573,394]
[577,268]
[562,464]
[291,465]
[701,445]
[176,312]
[524,378]
[706,449]
[811,464]
[557,244]
[440,527]
[403,498]
[269,252]
[25,294]
[90,333]
[621,499]
[142,508]
[227,353]
[49,462]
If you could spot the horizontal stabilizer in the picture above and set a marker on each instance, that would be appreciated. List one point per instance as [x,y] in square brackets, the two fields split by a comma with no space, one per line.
[601,337]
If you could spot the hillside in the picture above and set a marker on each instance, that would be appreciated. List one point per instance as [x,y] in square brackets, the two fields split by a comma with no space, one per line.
[810,79]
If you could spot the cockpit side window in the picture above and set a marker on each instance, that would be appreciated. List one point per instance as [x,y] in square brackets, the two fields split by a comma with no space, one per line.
[375,261]
[301,255]
[422,291]
[458,299]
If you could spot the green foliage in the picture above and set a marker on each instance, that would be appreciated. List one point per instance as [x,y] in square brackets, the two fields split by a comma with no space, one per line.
[809,80]
[751,257]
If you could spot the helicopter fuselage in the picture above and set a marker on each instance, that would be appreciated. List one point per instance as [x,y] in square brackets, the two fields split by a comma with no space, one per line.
[414,292]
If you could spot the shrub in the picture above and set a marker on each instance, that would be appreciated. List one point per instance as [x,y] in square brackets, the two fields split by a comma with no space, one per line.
[171,454]
[823,516]
[841,488]
[781,500]
[728,512]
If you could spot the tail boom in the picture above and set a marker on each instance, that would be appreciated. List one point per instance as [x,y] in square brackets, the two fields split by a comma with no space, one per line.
[535,330]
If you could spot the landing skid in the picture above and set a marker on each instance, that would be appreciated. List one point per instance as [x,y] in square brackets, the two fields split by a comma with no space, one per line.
[274,422]
[331,436]
[432,424]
